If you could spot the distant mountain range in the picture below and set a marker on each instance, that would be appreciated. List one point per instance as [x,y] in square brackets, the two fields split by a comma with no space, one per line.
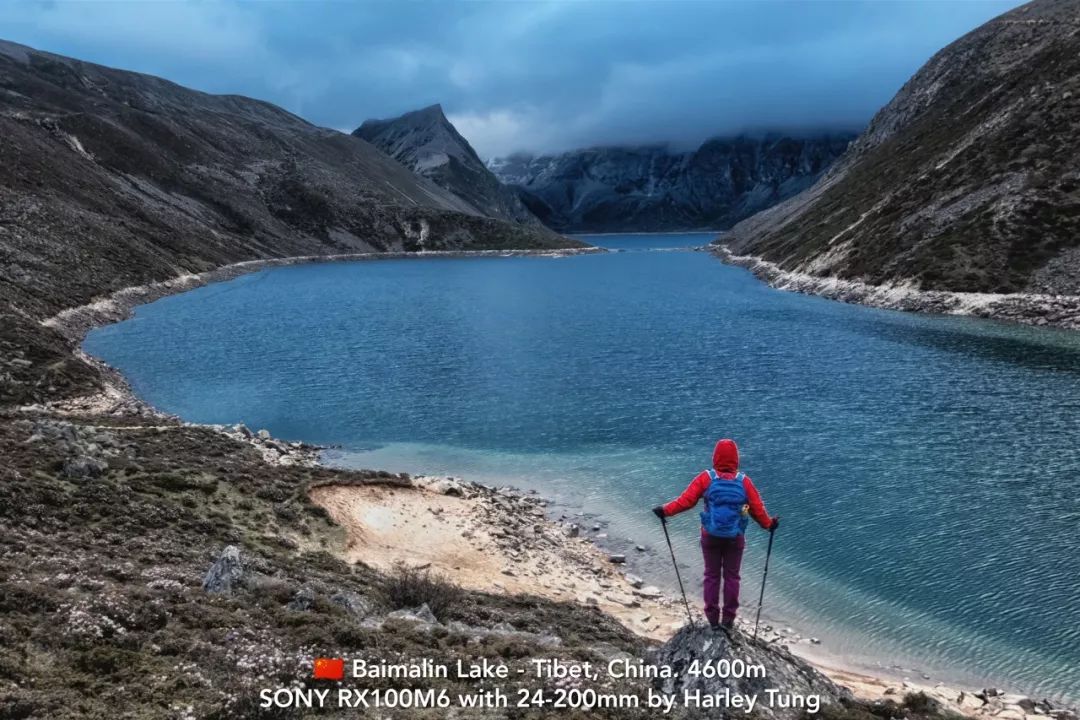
[651,188]
[428,144]
[968,180]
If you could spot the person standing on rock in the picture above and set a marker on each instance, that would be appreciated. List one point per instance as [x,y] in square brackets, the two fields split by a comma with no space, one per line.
[730,501]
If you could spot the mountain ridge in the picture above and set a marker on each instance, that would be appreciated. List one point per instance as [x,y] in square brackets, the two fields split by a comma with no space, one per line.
[965,181]
[111,179]
[652,187]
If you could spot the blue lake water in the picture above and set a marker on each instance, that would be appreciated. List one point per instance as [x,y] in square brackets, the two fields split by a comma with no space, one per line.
[927,469]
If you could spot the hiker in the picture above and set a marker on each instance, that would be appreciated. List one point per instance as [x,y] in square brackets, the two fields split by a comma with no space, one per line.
[730,500]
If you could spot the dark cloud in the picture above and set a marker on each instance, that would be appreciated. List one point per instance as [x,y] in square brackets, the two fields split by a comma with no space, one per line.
[522,75]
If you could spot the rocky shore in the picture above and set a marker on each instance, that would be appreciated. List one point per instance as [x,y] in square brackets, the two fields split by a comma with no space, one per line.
[1061,311]
[502,540]
[492,539]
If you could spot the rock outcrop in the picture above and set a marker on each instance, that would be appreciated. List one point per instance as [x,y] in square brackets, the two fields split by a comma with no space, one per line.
[653,188]
[965,181]
[226,573]
[761,667]
[428,144]
[86,451]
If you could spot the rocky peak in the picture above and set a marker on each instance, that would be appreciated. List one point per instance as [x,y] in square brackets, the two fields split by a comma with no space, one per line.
[427,143]
[422,140]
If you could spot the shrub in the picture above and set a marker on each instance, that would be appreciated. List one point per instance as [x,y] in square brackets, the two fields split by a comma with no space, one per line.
[406,587]
[921,704]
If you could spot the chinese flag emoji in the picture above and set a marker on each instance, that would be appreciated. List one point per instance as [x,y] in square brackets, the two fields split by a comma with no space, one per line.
[329,669]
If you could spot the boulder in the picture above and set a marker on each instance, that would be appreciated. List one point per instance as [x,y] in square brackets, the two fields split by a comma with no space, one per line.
[1043,707]
[968,701]
[353,603]
[84,466]
[1022,701]
[302,599]
[548,640]
[422,615]
[502,629]
[441,485]
[617,558]
[226,573]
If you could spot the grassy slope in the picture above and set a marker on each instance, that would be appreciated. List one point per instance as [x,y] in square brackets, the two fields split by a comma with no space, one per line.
[101,610]
[110,179]
[966,181]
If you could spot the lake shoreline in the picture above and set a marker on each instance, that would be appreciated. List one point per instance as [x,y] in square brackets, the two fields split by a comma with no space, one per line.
[1047,311]
[512,545]
[118,399]
[647,233]
[74,323]
[116,395]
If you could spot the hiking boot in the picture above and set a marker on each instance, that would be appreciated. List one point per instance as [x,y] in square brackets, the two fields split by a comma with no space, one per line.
[728,626]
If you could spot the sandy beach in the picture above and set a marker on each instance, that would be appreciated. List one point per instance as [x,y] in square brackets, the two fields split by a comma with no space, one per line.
[493,541]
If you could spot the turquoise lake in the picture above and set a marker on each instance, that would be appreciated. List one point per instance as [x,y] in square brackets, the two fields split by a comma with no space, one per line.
[927,469]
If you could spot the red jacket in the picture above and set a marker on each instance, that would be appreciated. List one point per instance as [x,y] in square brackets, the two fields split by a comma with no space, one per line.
[725,460]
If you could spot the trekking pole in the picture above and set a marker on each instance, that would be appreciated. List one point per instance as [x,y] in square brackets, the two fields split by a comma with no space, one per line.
[689,616]
[761,597]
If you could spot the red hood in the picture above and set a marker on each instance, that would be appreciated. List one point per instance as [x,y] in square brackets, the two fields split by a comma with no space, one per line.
[725,456]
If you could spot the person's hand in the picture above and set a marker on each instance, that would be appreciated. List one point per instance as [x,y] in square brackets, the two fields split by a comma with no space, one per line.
[658,511]
[774,524]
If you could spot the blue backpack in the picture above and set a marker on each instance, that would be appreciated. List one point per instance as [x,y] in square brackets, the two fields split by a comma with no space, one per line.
[725,512]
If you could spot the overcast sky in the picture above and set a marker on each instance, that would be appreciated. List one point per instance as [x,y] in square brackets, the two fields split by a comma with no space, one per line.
[523,75]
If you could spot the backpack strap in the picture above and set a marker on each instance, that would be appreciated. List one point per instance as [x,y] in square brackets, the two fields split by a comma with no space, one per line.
[739,477]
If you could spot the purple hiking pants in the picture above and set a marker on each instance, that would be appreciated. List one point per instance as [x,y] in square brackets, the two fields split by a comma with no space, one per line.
[723,558]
